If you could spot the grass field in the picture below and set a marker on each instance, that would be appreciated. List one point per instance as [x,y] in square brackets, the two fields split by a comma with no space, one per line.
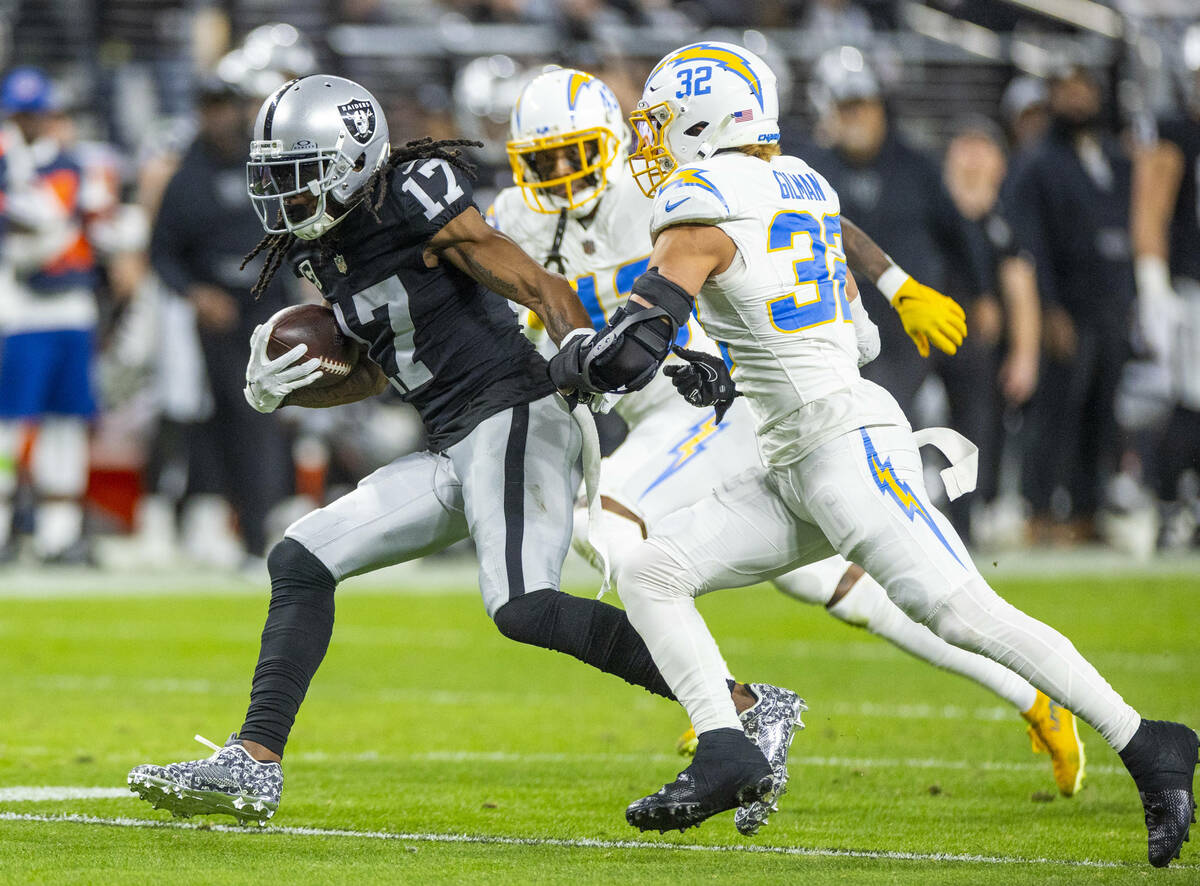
[432,750]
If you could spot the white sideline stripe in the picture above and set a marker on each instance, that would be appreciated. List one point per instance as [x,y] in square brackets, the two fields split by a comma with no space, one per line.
[47,794]
[583,843]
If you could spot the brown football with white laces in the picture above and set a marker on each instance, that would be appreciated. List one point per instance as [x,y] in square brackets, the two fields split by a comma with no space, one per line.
[315,326]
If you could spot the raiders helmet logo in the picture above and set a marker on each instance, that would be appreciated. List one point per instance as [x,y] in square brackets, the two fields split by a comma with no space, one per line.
[359,117]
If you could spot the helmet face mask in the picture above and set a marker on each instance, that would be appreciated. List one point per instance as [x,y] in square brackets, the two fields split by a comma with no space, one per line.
[318,140]
[568,142]
[652,162]
[698,100]
[537,166]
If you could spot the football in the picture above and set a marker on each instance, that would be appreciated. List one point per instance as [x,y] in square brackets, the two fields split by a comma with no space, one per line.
[315,326]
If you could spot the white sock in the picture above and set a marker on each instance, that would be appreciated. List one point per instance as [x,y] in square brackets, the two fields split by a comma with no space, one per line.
[814,583]
[867,605]
[59,525]
[664,612]
[621,536]
[59,468]
[975,617]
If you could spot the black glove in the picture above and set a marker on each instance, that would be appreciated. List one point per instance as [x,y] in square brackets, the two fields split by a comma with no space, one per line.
[566,367]
[704,381]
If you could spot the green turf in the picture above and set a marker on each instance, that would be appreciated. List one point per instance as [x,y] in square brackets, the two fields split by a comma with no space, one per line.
[423,720]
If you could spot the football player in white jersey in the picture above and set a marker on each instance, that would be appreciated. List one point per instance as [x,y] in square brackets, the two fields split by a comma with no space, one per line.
[748,236]
[575,208]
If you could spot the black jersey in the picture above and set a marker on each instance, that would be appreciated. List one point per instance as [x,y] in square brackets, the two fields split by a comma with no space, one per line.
[1184,133]
[451,347]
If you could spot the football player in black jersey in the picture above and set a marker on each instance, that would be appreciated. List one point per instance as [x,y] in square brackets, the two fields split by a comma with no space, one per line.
[420,280]
[1165,222]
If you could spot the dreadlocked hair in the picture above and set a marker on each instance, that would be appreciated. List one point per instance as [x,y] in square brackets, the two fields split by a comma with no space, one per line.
[373,193]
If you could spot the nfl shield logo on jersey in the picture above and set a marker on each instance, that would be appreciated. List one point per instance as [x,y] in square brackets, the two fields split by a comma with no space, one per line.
[359,117]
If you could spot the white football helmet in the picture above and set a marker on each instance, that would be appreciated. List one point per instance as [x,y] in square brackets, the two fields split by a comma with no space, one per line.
[568,141]
[315,138]
[698,100]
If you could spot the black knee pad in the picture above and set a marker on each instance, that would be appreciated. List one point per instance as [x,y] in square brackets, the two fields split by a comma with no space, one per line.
[593,632]
[292,565]
[530,617]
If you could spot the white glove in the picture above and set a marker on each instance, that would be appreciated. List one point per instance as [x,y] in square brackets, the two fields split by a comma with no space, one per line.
[1159,309]
[866,333]
[269,381]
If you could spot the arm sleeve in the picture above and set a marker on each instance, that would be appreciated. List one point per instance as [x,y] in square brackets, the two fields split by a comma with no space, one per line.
[170,237]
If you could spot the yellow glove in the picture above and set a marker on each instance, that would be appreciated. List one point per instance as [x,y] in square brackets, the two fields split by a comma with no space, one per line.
[928,316]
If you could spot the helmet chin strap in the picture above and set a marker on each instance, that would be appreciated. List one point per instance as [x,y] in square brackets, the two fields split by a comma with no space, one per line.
[707,148]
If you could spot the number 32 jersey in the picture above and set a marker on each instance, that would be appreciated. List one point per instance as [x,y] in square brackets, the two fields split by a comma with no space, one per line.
[449,346]
[780,311]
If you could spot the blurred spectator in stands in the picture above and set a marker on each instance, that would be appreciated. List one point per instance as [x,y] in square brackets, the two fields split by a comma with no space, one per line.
[974,171]
[1070,204]
[48,317]
[895,194]
[204,228]
[834,22]
[485,90]
[1166,244]
[1026,111]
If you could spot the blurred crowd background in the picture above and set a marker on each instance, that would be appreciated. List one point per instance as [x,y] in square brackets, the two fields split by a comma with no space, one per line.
[1034,160]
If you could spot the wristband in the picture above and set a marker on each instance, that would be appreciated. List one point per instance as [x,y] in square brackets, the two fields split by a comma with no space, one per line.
[891,280]
[1152,274]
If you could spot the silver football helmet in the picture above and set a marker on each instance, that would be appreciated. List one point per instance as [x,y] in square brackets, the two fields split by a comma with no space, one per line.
[317,141]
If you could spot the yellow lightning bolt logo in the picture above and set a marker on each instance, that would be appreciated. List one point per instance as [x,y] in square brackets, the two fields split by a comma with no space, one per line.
[687,176]
[689,446]
[726,58]
[576,83]
[886,479]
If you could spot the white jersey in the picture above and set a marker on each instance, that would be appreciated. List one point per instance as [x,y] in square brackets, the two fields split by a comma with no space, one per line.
[779,312]
[41,231]
[601,257]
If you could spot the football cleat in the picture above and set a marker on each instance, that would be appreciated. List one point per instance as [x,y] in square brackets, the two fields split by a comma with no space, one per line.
[1052,730]
[1162,759]
[771,724]
[230,781]
[685,745]
[729,771]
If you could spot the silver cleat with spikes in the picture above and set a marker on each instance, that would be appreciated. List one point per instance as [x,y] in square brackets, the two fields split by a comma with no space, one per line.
[230,781]
[771,724]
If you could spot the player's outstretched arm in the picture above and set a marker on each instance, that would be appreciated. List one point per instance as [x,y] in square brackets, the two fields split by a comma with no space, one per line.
[625,354]
[927,315]
[478,249]
[365,380]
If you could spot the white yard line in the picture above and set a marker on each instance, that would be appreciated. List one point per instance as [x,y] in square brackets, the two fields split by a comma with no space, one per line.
[1037,765]
[488,840]
[46,794]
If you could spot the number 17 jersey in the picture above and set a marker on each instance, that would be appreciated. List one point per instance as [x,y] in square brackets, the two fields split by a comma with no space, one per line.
[448,345]
[779,311]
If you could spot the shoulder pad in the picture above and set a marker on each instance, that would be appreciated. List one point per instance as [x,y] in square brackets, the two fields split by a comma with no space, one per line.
[691,195]
[507,211]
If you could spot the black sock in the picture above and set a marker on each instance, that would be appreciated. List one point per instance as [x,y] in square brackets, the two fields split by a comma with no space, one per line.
[1160,756]
[593,632]
[294,640]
